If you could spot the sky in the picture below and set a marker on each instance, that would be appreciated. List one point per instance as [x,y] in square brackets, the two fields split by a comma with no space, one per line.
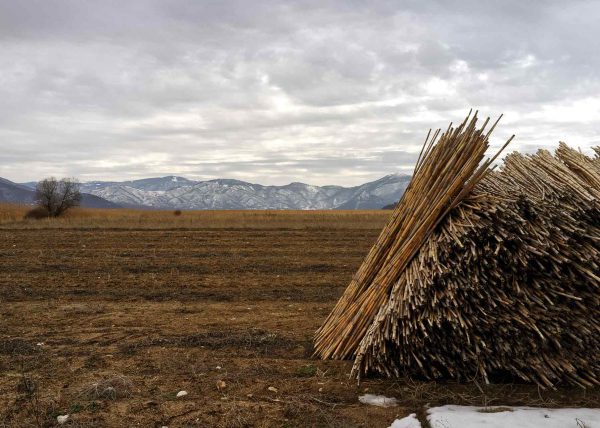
[323,92]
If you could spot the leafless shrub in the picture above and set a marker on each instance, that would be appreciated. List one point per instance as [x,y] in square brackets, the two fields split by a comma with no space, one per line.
[110,388]
[57,196]
[177,212]
[37,411]
[36,213]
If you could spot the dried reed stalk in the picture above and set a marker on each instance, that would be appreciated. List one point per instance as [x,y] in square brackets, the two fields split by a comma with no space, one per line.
[501,279]
[445,173]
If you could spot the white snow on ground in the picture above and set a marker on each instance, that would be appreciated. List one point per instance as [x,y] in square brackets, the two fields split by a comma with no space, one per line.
[410,421]
[377,400]
[514,417]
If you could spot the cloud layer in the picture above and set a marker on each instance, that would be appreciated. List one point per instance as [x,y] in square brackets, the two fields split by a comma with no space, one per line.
[326,92]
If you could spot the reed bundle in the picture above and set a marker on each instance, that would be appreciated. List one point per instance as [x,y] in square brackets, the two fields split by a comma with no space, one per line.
[481,273]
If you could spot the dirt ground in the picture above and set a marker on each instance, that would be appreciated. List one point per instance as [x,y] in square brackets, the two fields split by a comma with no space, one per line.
[109,323]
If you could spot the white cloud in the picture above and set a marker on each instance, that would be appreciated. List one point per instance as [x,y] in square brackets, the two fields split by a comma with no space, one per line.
[325,92]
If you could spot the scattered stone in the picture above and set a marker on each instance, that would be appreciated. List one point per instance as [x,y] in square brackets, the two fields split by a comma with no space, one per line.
[273,389]
[378,400]
[61,419]
[182,394]
[221,385]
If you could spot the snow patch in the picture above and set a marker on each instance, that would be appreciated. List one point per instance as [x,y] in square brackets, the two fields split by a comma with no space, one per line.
[518,417]
[410,421]
[377,400]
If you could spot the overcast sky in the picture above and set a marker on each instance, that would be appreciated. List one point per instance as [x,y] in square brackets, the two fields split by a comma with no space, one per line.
[324,92]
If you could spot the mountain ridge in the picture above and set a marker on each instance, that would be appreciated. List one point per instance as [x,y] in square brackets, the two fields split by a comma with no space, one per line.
[176,192]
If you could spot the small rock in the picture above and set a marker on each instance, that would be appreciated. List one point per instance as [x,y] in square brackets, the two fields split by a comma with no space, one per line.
[378,400]
[273,389]
[150,403]
[320,389]
[218,367]
[249,395]
[182,394]
[61,419]
[221,385]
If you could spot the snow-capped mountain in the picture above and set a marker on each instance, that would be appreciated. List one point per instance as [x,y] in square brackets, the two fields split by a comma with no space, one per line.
[151,184]
[178,192]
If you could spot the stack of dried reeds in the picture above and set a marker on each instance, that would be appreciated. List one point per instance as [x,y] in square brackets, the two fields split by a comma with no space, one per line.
[481,274]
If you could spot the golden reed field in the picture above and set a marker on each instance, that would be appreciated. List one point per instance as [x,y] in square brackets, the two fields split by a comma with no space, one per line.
[107,314]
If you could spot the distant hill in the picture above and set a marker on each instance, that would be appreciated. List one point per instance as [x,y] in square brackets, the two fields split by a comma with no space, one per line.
[174,192]
[24,194]
[13,192]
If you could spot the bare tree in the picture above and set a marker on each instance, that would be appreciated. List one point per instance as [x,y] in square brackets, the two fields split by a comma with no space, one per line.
[57,196]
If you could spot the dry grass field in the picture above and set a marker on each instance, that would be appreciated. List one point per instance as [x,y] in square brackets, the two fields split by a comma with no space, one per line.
[107,314]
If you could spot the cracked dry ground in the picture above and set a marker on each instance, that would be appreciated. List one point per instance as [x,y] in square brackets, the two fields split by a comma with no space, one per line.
[109,324]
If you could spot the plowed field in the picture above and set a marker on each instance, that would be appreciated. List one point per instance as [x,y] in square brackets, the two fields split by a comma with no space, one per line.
[108,318]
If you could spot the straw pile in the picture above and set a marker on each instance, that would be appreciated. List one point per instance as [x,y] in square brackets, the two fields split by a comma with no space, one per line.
[481,273]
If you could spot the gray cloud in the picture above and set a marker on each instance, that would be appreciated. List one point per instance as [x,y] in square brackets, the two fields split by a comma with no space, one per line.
[327,92]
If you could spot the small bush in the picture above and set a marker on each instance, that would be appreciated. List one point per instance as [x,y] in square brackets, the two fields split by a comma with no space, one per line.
[177,212]
[36,213]
[109,388]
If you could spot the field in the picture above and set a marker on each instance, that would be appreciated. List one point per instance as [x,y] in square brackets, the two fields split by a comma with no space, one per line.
[107,314]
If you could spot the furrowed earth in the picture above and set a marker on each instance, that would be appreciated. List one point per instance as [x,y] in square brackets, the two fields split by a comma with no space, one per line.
[107,314]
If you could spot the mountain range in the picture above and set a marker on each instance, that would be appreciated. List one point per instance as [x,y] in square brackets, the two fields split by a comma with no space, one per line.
[173,192]
[25,194]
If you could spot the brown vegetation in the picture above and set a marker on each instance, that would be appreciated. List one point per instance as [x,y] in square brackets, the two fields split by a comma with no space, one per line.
[87,218]
[36,213]
[150,304]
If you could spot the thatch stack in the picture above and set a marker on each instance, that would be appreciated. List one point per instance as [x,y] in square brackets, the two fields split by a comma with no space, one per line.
[505,280]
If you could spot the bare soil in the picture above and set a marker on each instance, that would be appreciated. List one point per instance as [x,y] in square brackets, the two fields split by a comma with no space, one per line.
[107,324]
